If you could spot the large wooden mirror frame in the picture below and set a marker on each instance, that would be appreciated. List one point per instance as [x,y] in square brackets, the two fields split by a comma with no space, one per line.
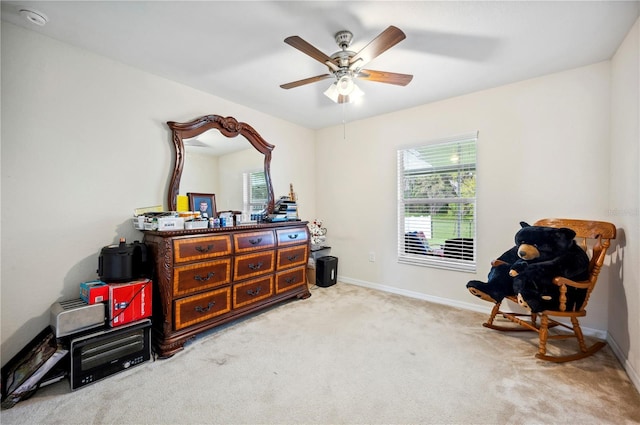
[229,127]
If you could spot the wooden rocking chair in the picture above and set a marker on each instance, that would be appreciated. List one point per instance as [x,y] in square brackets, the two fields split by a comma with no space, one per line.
[602,233]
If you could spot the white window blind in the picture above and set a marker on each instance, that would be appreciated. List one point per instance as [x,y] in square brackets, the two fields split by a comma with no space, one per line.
[437,203]
[255,191]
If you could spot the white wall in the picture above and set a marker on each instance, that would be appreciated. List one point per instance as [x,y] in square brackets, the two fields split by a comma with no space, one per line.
[543,151]
[624,202]
[84,142]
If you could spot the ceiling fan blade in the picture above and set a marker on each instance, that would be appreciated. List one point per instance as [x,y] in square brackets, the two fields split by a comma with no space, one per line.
[385,77]
[305,81]
[306,48]
[387,39]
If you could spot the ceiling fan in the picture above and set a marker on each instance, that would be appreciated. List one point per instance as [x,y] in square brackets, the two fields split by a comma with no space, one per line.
[346,65]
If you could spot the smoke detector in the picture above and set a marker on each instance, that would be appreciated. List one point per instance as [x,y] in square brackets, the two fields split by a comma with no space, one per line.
[34,16]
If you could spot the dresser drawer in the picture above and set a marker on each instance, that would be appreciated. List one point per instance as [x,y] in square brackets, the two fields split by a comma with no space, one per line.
[293,236]
[200,276]
[250,265]
[290,279]
[198,308]
[291,257]
[253,241]
[251,291]
[191,249]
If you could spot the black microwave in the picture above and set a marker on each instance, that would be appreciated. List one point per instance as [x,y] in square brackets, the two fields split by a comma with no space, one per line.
[101,354]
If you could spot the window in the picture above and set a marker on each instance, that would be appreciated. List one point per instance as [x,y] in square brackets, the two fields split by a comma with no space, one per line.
[255,192]
[437,204]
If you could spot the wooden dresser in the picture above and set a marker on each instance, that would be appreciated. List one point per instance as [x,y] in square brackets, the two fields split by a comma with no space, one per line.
[207,277]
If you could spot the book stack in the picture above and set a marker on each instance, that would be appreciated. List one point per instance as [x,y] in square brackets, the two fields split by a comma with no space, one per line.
[285,209]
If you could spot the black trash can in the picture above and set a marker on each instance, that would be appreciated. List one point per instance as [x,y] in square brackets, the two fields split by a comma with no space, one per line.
[326,271]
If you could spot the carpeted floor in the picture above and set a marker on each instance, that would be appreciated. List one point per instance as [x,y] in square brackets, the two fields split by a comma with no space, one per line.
[350,355]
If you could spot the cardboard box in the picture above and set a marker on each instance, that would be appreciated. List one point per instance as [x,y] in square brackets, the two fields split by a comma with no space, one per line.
[93,292]
[129,302]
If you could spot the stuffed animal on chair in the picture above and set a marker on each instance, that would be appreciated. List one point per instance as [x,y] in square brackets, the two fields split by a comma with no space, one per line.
[499,283]
[545,253]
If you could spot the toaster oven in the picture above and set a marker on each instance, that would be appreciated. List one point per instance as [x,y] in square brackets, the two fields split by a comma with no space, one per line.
[101,354]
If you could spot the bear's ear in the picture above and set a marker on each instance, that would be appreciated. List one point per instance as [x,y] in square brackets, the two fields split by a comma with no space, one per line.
[524,224]
[567,233]
[564,238]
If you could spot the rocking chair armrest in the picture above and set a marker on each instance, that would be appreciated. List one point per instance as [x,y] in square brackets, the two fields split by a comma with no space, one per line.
[560,281]
[563,282]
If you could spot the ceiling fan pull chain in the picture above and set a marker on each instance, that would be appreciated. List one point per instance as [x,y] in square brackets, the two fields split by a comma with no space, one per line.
[344,122]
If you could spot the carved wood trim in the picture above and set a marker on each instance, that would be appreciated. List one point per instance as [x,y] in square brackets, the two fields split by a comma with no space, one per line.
[229,127]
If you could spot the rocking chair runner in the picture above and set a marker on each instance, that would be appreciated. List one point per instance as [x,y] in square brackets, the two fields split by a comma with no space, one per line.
[602,233]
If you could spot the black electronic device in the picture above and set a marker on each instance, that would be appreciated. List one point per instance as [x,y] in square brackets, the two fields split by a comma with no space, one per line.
[123,262]
[97,355]
[326,271]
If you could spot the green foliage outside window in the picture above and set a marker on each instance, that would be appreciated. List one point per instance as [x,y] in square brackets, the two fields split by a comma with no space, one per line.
[439,181]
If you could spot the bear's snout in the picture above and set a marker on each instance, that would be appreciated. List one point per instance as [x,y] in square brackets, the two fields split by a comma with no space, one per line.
[528,252]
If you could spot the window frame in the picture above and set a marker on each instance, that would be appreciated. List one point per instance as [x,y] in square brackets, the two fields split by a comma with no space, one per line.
[437,258]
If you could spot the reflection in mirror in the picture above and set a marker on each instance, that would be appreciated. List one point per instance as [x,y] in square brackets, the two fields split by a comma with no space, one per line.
[210,159]
[230,168]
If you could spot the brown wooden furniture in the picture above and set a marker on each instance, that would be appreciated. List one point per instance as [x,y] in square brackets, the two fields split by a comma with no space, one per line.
[593,235]
[208,277]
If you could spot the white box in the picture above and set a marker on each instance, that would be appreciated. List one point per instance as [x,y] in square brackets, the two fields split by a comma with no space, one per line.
[138,222]
[170,223]
[196,224]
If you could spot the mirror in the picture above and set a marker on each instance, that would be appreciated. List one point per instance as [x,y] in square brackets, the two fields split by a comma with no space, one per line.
[208,152]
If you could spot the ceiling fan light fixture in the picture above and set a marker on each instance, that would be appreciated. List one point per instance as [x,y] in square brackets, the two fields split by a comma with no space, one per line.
[356,94]
[333,93]
[345,85]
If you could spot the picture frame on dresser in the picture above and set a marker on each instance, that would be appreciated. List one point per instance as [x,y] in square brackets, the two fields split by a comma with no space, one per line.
[203,202]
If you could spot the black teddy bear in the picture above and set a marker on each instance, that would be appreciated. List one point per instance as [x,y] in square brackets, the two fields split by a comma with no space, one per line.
[527,270]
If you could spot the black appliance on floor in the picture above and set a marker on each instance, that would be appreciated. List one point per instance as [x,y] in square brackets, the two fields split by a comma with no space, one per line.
[326,271]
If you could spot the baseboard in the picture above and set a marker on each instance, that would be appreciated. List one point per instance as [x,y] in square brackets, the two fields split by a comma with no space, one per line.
[596,333]
[418,295]
[633,374]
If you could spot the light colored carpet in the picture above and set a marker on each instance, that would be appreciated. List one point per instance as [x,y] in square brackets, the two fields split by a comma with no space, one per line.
[349,355]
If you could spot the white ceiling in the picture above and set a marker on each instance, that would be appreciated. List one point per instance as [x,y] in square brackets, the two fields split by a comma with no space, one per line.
[235,50]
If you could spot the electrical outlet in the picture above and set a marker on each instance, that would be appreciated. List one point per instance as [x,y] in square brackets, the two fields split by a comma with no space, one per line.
[372,256]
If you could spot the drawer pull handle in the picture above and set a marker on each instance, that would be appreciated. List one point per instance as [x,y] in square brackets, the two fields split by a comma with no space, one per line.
[255,292]
[203,309]
[255,266]
[290,280]
[292,257]
[204,279]
[293,236]
[203,250]
[255,241]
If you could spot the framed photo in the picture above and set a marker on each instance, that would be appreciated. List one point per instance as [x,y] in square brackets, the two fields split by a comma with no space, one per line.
[203,202]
